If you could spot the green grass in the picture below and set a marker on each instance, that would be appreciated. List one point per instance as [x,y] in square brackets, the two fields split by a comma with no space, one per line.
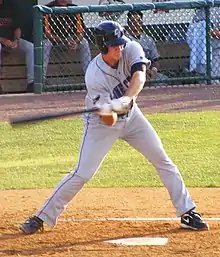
[39,156]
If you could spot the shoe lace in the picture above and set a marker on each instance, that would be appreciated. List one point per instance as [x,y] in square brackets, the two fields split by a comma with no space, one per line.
[36,222]
[196,214]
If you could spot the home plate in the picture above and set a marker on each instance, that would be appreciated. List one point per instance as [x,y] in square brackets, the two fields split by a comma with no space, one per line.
[139,241]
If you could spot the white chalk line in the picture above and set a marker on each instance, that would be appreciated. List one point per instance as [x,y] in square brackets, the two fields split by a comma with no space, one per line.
[128,219]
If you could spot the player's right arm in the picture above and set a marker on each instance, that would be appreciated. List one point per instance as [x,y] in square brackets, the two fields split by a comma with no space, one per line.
[97,92]
[98,96]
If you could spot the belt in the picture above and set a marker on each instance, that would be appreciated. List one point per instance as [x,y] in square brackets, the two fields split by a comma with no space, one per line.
[123,116]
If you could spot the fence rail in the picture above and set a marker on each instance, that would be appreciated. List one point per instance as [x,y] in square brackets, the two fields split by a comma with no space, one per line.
[185,35]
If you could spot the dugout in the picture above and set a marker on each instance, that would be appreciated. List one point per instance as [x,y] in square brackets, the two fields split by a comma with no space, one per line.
[175,55]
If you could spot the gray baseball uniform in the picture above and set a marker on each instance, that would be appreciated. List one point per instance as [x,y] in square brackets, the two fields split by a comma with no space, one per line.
[103,84]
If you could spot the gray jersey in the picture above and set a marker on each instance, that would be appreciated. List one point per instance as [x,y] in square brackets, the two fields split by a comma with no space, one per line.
[105,83]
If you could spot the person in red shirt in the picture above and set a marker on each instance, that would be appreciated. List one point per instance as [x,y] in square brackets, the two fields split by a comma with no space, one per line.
[9,30]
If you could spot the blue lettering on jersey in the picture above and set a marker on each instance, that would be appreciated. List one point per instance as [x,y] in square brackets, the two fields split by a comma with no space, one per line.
[119,90]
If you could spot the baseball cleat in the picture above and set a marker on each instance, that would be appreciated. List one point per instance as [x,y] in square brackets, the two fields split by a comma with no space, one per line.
[31,225]
[192,220]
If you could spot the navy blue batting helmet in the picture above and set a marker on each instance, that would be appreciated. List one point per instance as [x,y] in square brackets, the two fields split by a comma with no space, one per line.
[109,33]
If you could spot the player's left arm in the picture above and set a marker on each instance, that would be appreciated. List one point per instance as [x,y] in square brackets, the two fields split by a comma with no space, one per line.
[138,79]
[138,64]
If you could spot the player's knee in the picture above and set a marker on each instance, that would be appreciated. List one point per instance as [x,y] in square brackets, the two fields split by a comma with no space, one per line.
[158,156]
[84,179]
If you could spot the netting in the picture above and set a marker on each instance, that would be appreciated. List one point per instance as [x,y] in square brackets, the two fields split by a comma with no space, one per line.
[182,43]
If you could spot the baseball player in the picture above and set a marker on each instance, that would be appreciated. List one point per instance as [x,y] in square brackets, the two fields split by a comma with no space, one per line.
[114,79]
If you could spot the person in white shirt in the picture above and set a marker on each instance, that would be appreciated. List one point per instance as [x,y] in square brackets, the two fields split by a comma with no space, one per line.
[135,33]
[198,27]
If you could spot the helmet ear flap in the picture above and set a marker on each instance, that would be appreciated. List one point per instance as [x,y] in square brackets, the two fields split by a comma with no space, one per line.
[104,49]
[100,41]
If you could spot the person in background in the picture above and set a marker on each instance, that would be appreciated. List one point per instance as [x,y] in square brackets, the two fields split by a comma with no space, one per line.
[10,38]
[65,31]
[10,32]
[196,40]
[215,43]
[197,30]
[135,32]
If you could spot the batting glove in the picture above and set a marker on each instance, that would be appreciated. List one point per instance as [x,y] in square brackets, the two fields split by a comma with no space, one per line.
[104,109]
[121,104]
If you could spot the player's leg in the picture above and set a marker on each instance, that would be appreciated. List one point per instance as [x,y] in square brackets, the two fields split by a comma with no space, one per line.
[142,136]
[96,142]
[28,48]
[85,54]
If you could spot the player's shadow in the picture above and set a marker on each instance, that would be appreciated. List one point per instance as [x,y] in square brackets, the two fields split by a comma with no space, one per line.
[11,236]
[74,246]
[60,248]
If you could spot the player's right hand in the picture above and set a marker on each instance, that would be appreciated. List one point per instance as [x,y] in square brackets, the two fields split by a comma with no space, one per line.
[104,109]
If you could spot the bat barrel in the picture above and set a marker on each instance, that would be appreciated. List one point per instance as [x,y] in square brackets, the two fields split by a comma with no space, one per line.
[48,116]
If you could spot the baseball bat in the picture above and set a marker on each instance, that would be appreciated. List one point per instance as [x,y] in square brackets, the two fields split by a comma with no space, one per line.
[49,116]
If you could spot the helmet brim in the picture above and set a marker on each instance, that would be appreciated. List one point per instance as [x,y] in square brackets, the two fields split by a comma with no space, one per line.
[119,41]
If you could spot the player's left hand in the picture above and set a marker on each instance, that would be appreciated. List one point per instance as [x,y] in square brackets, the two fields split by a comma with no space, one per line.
[121,104]
[104,109]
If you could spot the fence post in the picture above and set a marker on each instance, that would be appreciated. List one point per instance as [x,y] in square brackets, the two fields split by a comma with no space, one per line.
[38,50]
[208,44]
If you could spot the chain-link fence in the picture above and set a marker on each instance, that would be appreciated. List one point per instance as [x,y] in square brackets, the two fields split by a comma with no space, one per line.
[182,39]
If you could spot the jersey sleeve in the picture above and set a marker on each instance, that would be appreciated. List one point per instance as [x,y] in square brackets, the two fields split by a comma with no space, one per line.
[135,54]
[97,92]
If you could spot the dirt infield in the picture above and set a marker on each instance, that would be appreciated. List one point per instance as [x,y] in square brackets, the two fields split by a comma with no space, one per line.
[76,239]
[87,238]
[150,100]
